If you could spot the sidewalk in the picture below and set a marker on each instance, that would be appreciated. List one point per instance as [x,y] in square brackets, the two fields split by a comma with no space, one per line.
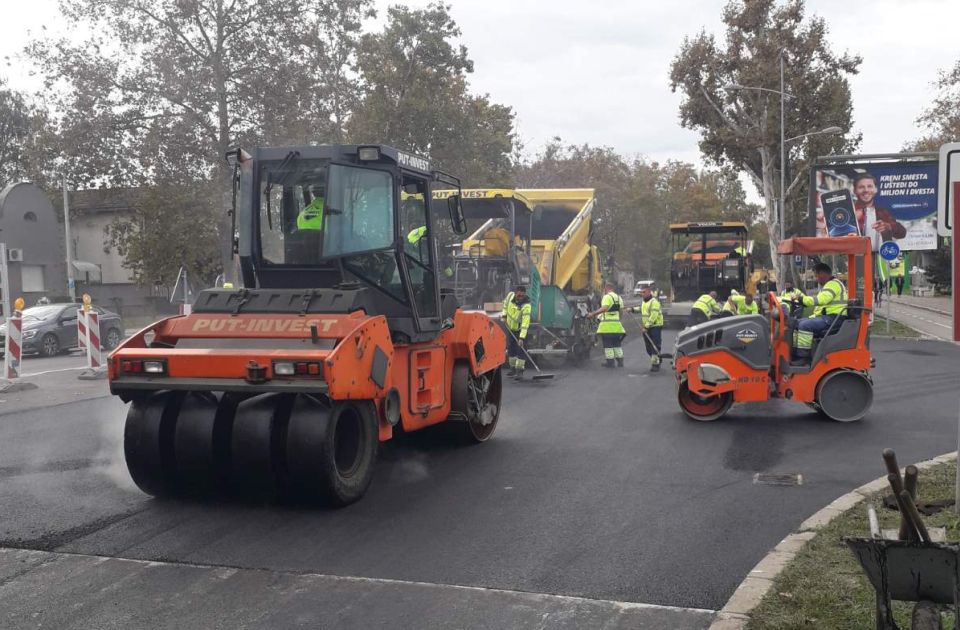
[942,304]
[53,388]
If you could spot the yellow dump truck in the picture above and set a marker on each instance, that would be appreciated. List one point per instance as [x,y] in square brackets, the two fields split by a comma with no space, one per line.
[539,238]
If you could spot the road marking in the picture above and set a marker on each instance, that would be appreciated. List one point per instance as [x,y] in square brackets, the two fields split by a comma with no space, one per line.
[368,580]
[905,314]
[82,367]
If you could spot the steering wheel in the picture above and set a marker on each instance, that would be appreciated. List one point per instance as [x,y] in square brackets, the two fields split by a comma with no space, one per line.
[776,315]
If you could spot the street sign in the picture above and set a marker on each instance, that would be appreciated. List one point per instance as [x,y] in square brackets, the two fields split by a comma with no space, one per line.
[889,251]
[798,261]
[949,187]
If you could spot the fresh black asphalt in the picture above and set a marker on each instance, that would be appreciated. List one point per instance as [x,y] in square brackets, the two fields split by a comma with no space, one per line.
[595,486]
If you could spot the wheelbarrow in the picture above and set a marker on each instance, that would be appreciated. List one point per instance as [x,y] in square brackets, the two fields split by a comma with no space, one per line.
[914,571]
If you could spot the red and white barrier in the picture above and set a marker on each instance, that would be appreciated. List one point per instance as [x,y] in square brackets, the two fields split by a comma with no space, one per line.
[13,346]
[94,357]
[82,330]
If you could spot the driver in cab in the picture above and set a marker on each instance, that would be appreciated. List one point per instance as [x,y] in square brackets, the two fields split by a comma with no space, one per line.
[311,216]
[829,304]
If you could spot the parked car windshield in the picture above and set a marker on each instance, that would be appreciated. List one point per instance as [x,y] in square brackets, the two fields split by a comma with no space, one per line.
[42,312]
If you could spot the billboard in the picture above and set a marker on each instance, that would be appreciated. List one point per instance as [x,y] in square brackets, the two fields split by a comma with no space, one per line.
[889,200]
[949,187]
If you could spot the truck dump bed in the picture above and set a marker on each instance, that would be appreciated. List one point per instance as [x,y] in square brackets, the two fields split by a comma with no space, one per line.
[560,238]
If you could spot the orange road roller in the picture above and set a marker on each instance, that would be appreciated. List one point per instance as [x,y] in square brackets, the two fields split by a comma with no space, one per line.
[338,338]
[751,358]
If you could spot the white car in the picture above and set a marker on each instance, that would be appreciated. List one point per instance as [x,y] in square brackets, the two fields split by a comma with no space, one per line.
[640,285]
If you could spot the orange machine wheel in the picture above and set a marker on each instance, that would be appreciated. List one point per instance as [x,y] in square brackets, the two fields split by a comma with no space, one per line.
[703,409]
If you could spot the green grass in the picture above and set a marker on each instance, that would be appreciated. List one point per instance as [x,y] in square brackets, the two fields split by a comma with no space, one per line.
[879,328]
[824,587]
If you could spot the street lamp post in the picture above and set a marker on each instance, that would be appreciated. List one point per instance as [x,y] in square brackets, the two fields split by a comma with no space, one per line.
[784,95]
[783,174]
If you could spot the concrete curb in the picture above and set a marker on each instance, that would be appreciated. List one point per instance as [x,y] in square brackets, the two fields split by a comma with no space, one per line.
[93,374]
[736,612]
[15,385]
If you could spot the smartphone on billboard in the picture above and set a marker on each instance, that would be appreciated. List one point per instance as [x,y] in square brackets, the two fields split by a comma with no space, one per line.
[838,212]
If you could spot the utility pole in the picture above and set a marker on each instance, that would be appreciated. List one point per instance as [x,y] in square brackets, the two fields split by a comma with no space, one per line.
[71,282]
[5,287]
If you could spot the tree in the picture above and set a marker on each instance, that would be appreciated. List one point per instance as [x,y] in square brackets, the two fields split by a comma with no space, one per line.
[20,125]
[741,127]
[166,229]
[172,84]
[941,120]
[415,96]
[939,272]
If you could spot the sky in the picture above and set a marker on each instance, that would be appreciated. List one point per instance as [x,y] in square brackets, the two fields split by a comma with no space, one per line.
[598,72]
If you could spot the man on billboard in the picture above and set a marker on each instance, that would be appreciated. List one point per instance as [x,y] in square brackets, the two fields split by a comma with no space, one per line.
[871,219]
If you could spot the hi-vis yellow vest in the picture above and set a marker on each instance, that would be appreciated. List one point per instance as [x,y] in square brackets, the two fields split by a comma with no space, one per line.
[706,304]
[517,317]
[831,300]
[651,313]
[610,319]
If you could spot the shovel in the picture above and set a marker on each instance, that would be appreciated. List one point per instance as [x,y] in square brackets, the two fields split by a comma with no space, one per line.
[540,375]
[663,355]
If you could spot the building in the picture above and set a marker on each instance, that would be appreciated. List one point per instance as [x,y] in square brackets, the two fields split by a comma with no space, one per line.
[99,268]
[33,233]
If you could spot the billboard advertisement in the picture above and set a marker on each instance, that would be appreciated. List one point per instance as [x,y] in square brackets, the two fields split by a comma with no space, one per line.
[883,200]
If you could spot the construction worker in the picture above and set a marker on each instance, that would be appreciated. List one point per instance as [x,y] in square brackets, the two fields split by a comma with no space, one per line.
[611,329]
[789,294]
[651,317]
[829,303]
[745,304]
[416,234]
[516,315]
[897,268]
[311,217]
[704,308]
[729,306]
[414,237]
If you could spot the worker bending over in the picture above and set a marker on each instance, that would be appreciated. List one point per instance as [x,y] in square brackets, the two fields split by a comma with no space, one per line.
[729,306]
[704,308]
[611,329]
[828,304]
[516,315]
[744,304]
[651,316]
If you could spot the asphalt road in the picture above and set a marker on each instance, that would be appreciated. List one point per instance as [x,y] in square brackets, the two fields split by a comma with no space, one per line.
[32,365]
[595,487]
